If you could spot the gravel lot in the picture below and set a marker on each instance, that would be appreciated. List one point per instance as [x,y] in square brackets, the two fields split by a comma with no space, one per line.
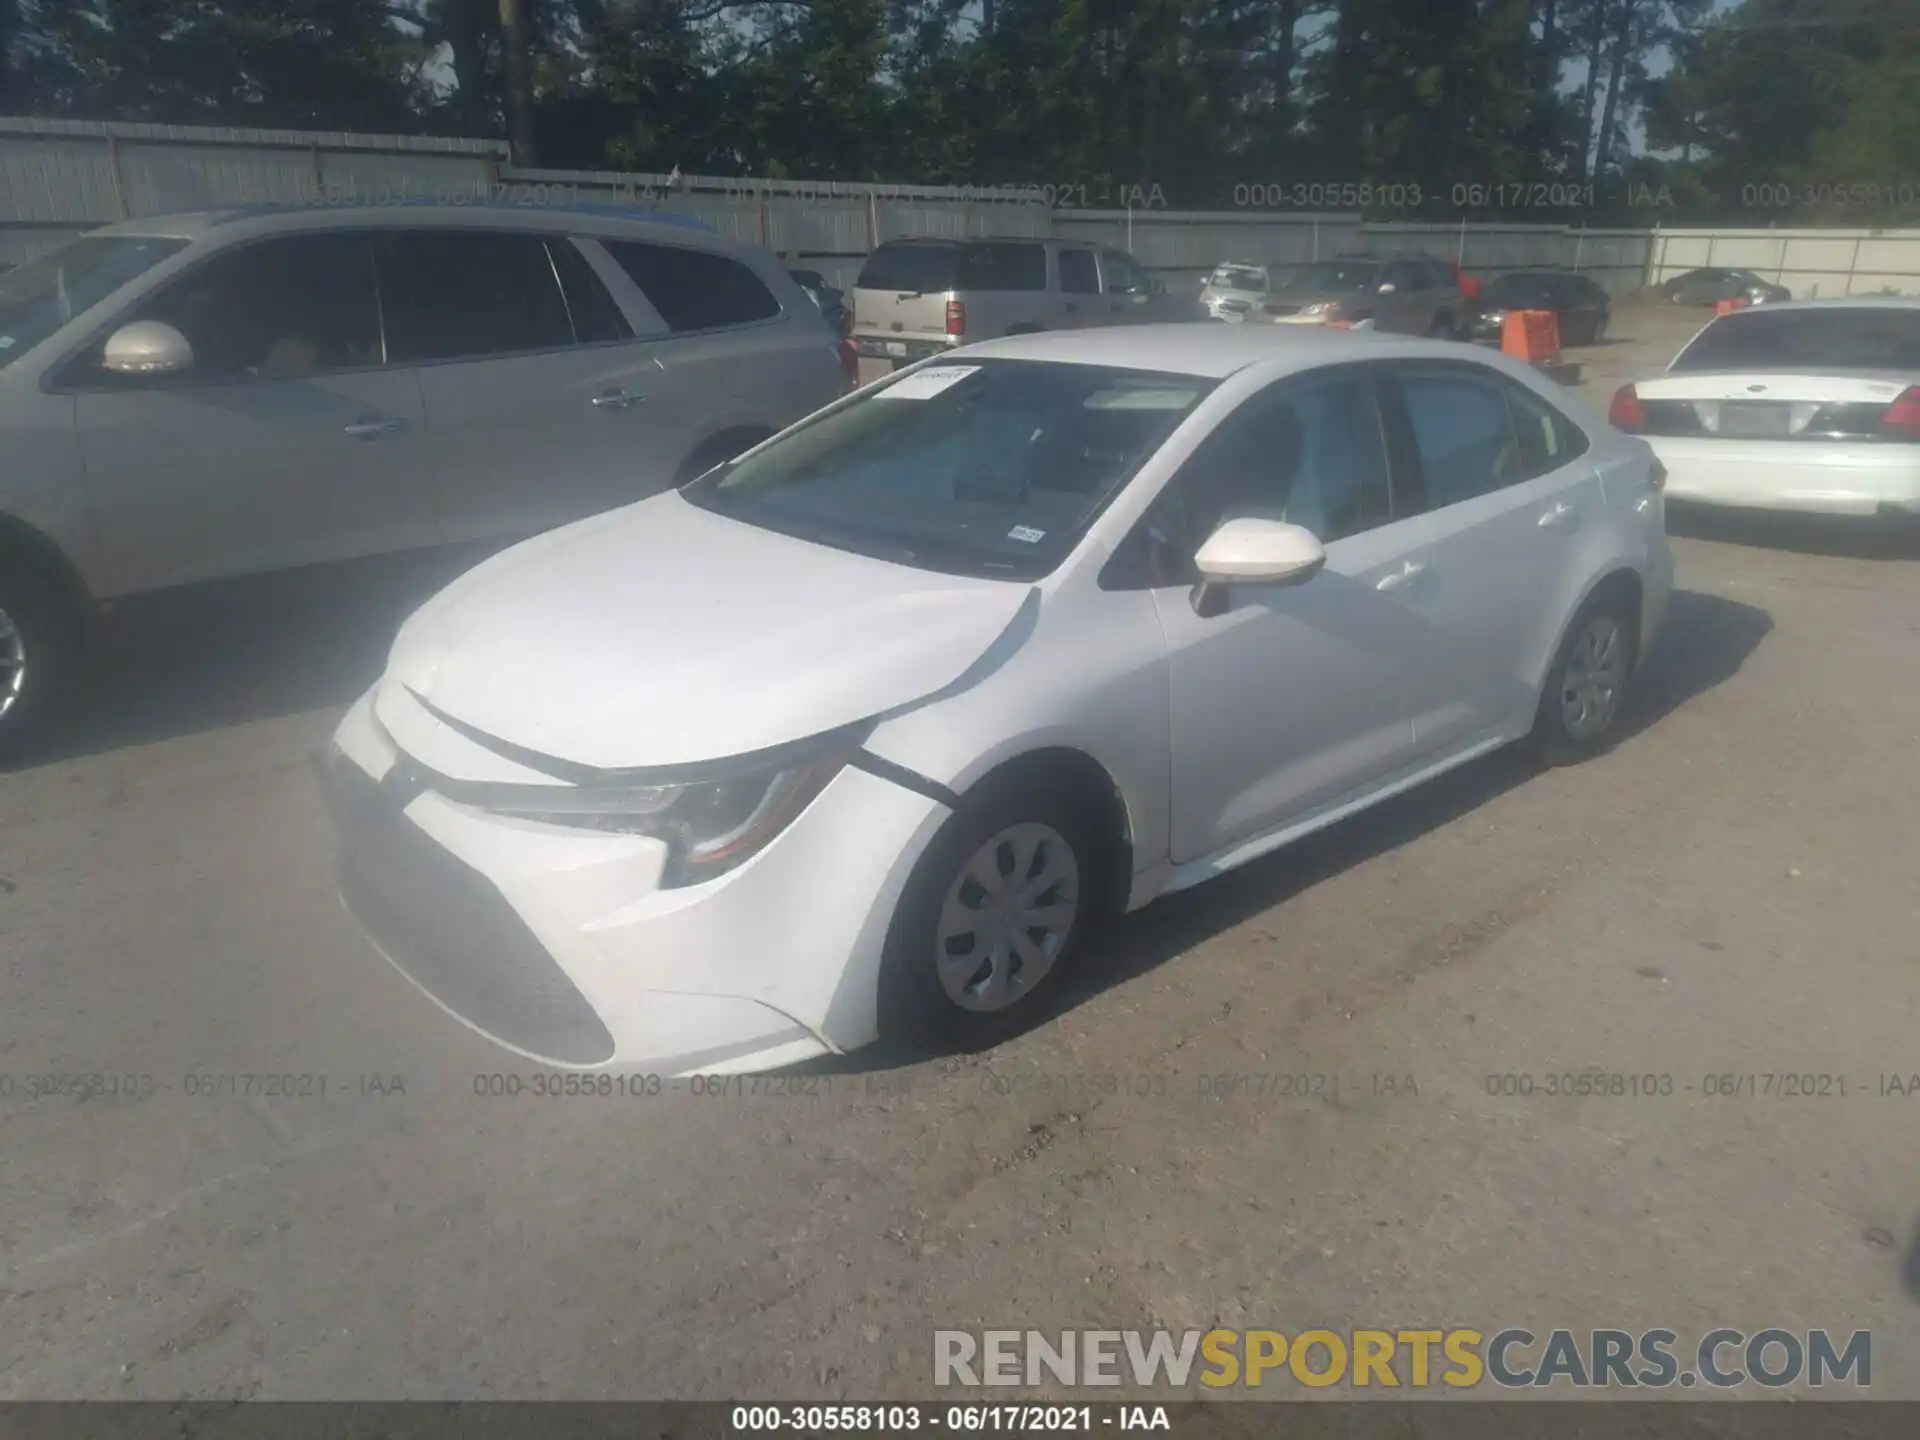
[1730,891]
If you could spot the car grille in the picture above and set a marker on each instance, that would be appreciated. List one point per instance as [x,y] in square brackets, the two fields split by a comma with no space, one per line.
[448,927]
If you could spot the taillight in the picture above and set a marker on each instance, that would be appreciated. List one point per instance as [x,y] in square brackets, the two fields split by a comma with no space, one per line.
[1901,419]
[1657,475]
[956,318]
[1627,413]
[849,361]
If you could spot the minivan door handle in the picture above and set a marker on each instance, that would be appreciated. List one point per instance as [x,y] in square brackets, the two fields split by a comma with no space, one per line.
[1404,578]
[615,400]
[372,427]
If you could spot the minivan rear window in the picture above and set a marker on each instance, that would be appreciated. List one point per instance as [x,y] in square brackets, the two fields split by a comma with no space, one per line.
[925,269]
[1847,337]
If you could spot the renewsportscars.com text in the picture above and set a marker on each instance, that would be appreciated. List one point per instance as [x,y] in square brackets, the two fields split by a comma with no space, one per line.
[1512,1358]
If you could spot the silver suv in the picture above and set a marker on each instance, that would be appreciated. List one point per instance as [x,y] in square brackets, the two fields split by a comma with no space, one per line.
[916,298]
[218,394]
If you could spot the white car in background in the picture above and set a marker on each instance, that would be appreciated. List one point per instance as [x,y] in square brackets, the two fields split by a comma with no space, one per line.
[1806,405]
[863,731]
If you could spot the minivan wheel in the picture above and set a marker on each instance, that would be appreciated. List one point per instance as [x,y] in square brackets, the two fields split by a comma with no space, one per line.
[1586,689]
[37,647]
[993,919]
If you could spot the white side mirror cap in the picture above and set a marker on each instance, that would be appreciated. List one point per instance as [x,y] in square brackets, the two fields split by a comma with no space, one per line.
[1260,552]
[147,347]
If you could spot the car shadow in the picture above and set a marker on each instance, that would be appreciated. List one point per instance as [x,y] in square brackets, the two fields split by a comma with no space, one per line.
[1705,641]
[1838,536]
[206,657]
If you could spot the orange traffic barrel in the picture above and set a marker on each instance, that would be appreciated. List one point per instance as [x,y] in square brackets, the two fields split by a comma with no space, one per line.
[1532,336]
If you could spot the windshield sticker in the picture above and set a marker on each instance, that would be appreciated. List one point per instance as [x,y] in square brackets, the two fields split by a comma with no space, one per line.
[1026,534]
[925,384]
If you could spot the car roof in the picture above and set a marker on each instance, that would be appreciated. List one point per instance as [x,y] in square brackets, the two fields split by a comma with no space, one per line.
[1204,349]
[480,211]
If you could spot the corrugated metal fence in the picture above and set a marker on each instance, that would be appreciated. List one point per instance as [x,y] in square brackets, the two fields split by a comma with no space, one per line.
[61,178]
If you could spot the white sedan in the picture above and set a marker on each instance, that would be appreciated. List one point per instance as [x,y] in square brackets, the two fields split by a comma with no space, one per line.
[864,731]
[1810,406]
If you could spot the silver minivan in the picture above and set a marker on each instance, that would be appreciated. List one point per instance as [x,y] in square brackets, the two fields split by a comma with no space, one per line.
[919,297]
[194,397]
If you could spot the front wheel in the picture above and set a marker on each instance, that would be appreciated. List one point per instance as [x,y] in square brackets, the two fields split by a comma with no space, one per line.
[1586,689]
[993,919]
[38,650]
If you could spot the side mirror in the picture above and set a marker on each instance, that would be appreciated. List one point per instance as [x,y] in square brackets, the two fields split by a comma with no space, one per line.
[1387,287]
[1254,552]
[147,347]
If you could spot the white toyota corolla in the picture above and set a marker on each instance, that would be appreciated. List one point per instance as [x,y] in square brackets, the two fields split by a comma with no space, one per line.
[863,731]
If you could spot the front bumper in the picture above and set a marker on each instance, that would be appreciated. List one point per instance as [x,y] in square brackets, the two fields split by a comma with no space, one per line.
[560,946]
[1798,476]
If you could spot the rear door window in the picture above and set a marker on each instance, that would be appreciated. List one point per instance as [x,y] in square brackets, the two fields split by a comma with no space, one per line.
[694,289]
[1078,275]
[596,319]
[1464,439]
[1003,266]
[468,294]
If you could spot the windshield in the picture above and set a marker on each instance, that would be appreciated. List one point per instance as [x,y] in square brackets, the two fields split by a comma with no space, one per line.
[43,295]
[1330,277]
[1239,277]
[992,468]
[1849,337]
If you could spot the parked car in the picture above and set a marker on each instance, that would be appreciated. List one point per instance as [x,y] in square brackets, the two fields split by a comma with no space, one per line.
[865,731]
[1809,406]
[831,299]
[1234,289]
[1412,295]
[918,298]
[1580,307]
[1710,286]
[200,396]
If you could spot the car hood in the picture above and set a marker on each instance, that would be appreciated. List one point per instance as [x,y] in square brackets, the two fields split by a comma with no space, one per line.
[663,634]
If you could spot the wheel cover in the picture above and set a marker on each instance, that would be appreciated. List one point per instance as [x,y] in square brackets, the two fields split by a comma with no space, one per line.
[13,663]
[1007,917]
[1594,677]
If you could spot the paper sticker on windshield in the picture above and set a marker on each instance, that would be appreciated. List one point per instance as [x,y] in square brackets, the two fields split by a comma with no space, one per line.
[925,384]
[1026,534]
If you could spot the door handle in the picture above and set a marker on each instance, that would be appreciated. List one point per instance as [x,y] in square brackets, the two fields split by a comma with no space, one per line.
[615,400]
[374,426]
[1560,517]
[1403,578]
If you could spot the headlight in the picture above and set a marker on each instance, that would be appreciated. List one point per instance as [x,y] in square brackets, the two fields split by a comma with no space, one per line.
[1320,307]
[709,826]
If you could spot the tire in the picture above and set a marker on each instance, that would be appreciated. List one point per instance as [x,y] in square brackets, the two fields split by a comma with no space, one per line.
[920,1007]
[40,643]
[1566,731]
[1442,327]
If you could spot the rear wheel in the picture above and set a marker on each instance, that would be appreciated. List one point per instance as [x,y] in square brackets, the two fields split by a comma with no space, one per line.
[1443,328]
[1586,690]
[995,916]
